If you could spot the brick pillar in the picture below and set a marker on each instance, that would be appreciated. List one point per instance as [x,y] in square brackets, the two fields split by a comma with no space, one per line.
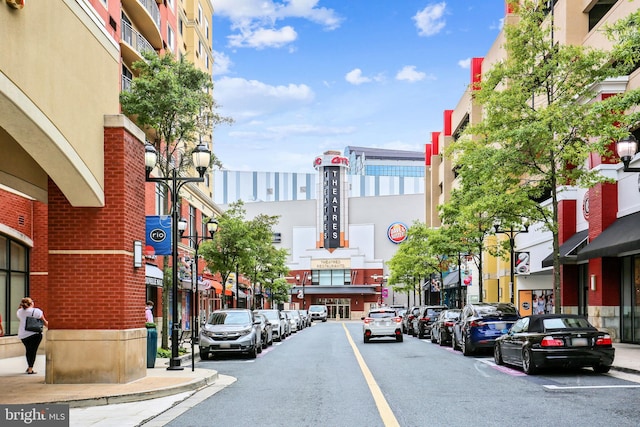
[39,260]
[96,296]
[604,302]
[568,273]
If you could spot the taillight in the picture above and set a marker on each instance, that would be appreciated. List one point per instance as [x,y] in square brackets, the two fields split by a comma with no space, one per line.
[398,319]
[448,323]
[367,320]
[550,341]
[604,340]
[475,323]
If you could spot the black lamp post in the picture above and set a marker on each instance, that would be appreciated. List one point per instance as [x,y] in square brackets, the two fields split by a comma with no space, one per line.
[212,227]
[512,243]
[201,157]
[627,147]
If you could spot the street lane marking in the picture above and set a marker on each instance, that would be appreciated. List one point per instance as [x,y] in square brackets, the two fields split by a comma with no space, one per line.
[388,418]
[576,387]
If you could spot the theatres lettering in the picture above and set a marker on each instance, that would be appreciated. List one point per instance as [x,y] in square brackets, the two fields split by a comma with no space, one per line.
[331,207]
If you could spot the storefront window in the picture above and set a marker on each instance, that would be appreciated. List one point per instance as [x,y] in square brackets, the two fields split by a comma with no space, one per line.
[13,281]
[630,309]
[331,277]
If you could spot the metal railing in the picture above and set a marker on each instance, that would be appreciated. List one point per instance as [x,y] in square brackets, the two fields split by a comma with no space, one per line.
[134,38]
[152,8]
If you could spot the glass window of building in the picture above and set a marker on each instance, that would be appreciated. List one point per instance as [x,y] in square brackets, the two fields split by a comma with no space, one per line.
[14,281]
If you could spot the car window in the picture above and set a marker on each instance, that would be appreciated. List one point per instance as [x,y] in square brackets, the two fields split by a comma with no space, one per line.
[381,314]
[566,323]
[229,318]
[433,312]
[520,326]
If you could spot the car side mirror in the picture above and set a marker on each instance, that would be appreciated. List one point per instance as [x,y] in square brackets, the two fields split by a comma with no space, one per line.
[362,318]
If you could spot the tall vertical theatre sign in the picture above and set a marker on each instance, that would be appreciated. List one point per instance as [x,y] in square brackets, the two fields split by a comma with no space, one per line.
[332,168]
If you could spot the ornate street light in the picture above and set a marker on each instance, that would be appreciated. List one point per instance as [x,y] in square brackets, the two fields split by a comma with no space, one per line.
[512,243]
[212,227]
[626,148]
[201,157]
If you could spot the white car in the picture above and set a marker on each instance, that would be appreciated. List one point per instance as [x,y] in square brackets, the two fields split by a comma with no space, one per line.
[278,324]
[382,322]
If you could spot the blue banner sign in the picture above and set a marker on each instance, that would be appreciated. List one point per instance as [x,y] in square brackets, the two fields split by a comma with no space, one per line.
[158,234]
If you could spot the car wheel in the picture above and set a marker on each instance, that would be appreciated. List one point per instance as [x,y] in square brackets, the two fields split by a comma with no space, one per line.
[601,369]
[420,334]
[366,339]
[399,338]
[253,351]
[467,350]
[528,366]
[453,341]
[204,355]
[441,339]
[497,354]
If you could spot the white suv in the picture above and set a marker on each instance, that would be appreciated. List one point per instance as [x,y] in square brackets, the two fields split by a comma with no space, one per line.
[382,322]
[318,312]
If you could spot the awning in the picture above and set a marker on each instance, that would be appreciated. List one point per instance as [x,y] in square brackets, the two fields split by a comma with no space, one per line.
[451,280]
[154,275]
[569,249]
[342,290]
[621,237]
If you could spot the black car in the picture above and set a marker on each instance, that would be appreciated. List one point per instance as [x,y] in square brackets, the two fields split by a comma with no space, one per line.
[425,319]
[554,340]
[481,323]
[443,326]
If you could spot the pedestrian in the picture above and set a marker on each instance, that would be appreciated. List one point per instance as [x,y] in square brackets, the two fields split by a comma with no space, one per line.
[1,327]
[148,312]
[31,340]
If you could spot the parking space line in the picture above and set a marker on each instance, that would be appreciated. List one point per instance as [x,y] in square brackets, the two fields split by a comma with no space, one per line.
[576,387]
[388,418]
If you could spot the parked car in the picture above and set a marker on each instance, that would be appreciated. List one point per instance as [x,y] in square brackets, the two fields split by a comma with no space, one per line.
[382,322]
[306,320]
[318,312]
[407,319]
[424,320]
[278,326]
[554,340]
[287,323]
[443,326]
[230,331]
[481,323]
[294,320]
[266,330]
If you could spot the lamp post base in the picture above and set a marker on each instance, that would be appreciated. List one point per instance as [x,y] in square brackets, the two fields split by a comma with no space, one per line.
[174,365]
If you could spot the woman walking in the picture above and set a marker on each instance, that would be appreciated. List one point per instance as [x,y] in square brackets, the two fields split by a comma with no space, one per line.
[31,340]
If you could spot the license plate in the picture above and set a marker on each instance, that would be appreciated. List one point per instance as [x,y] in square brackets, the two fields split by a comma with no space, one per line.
[500,326]
[225,345]
[579,342]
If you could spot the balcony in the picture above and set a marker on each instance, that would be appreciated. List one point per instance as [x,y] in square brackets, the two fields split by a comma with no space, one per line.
[132,44]
[145,16]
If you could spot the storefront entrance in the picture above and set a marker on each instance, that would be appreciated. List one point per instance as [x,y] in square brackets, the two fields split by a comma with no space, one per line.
[337,308]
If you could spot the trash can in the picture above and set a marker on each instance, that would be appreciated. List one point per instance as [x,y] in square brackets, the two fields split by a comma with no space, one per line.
[152,346]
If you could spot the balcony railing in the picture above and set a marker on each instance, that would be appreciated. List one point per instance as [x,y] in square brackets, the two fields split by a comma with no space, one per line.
[135,39]
[152,8]
[126,84]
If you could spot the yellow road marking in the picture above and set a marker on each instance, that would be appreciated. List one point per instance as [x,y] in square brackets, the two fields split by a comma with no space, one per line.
[384,409]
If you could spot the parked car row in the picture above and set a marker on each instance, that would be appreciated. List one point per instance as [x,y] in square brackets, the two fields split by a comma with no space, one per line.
[248,332]
[532,342]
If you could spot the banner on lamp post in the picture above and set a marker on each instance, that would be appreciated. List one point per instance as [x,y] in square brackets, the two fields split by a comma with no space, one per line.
[158,235]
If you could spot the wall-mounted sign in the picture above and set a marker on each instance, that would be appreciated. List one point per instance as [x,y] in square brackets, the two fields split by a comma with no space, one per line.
[523,263]
[330,264]
[397,232]
[331,207]
[585,206]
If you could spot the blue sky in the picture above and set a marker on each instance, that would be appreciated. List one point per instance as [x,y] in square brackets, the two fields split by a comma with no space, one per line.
[301,77]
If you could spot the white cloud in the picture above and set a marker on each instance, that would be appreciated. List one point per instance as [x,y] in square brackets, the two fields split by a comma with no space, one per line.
[410,74]
[429,20]
[246,99]
[255,20]
[221,63]
[355,77]
[465,63]
[262,38]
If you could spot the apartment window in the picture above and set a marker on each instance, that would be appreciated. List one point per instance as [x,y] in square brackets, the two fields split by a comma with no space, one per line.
[206,61]
[14,281]
[180,26]
[171,40]
[171,4]
[206,29]
[161,200]
[192,224]
[199,48]
[199,14]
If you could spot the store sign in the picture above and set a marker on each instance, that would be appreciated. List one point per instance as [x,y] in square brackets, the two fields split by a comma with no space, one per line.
[397,232]
[330,264]
[331,207]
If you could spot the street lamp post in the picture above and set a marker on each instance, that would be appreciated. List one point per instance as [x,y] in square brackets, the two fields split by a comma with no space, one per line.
[201,157]
[626,148]
[212,227]
[512,243]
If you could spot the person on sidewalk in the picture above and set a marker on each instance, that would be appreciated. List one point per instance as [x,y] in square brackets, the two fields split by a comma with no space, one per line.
[148,312]
[31,340]
[1,327]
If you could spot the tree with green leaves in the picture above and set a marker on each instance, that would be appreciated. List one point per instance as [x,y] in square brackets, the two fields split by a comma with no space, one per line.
[245,246]
[540,123]
[172,102]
